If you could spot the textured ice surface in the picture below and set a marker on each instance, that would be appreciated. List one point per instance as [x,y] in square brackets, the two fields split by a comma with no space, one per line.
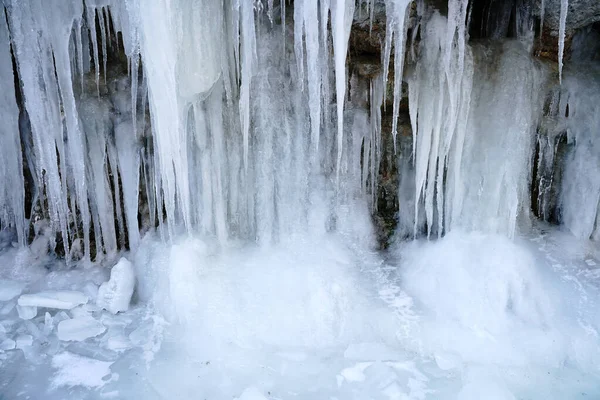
[115,294]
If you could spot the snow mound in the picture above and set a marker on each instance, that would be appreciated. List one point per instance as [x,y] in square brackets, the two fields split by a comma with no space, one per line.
[486,299]
[308,295]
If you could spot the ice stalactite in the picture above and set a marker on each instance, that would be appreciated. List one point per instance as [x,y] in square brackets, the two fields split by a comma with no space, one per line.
[40,46]
[472,165]
[217,157]
[439,97]
[12,195]
[564,9]
[247,41]
[395,35]
[309,24]
[342,13]
[579,108]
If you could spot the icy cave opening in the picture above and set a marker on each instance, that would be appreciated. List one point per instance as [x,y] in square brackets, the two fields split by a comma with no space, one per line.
[272,199]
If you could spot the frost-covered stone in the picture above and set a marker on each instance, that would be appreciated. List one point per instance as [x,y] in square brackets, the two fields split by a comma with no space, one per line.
[63,300]
[115,294]
[26,312]
[78,329]
[10,289]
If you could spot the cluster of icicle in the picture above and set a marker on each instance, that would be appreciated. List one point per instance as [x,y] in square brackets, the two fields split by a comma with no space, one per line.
[475,120]
[248,135]
[242,140]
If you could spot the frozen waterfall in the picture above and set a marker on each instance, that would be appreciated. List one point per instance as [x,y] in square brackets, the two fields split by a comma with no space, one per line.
[273,199]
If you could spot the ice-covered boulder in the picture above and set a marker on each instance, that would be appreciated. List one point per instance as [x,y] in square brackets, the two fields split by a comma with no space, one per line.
[115,294]
[78,329]
[62,300]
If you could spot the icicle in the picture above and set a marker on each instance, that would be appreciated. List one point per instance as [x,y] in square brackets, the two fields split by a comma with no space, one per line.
[398,16]
[247,60]
[12,192]
[299,19]
[215,112]
[342,13]
[45,70]
[283,28]
[100,13]
[79,46]
[313,77]
[564,9]
[129,171]
[270,10]
[459,179]
[91,23]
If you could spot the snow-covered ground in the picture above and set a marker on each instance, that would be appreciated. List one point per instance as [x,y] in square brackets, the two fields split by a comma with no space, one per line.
[469,316]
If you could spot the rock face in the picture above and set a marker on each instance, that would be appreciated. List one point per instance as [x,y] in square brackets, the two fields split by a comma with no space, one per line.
[115,294]
[581,13]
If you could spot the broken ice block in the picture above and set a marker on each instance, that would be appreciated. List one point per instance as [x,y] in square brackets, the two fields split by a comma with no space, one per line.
[63,300]
[23,341]
[26,312]
[115,294]
[78,329]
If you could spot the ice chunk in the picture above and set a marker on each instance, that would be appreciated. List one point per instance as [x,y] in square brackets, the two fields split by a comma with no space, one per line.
[64,300]
[10,289]
[27,312]
[78,329]
[115,294]
[23,341]
[7,344]
[60,316]
[84,310]
[48,324]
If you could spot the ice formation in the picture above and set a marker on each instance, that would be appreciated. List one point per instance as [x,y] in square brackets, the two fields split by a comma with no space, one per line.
[472,165]
[564,9]
[78,329]
[115,294]
[62,300]
[236,157]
